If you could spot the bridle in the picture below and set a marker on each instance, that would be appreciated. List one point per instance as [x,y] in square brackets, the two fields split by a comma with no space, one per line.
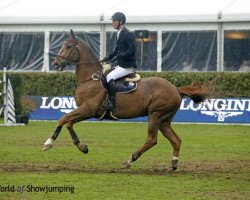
[64,62]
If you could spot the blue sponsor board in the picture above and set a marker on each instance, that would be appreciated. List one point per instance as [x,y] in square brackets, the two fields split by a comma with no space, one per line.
[52,108]
[228,110]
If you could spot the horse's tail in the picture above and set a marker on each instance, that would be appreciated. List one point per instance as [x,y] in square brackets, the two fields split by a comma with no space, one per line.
[195,92]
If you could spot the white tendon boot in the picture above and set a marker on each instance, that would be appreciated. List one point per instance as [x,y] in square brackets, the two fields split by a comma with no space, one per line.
[48,144]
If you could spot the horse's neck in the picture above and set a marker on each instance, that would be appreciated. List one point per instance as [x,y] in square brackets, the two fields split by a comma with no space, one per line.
[85,71]
[87,66]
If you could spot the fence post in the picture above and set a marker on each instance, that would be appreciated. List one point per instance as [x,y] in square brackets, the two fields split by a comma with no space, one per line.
[4,95]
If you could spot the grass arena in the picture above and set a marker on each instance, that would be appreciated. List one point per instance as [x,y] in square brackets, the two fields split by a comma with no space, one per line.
[214,163]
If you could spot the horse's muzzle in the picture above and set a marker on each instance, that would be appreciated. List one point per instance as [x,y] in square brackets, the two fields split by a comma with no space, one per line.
[61,66]
[55,66]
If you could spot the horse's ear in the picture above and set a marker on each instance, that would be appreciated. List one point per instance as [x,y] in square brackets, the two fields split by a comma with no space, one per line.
[66,34]
[72,34]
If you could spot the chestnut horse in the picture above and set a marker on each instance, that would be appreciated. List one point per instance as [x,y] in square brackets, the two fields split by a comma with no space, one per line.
[154,97]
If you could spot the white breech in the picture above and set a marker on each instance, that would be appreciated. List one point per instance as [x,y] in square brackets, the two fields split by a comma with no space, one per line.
[119,72]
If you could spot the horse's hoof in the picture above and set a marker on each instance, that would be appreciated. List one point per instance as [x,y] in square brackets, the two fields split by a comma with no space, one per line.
[125,165]
[174,164]
[84,148]
[46,147]
[48,144]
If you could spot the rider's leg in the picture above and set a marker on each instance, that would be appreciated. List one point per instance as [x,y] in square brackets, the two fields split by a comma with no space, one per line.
[111,95]
[117,73]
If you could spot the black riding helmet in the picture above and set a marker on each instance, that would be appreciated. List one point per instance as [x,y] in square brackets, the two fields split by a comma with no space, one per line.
[119,16]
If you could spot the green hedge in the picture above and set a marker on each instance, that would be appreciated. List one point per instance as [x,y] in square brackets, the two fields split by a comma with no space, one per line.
[231,83]
[63,83]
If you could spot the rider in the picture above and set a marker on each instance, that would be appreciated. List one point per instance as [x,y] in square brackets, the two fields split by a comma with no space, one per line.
[124,54]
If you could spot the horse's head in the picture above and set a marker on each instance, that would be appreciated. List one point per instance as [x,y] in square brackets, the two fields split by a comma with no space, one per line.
[68,54]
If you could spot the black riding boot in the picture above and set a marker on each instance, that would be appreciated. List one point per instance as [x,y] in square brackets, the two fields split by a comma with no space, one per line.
[109,105]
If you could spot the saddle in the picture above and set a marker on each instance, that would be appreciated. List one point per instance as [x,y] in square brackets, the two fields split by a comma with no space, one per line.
[125,84]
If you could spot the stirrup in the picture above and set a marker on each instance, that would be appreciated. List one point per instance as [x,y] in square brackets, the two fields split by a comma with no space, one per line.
[108,115]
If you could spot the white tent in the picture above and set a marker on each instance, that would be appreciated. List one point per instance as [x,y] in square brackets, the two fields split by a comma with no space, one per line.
[94,15]
[139,11]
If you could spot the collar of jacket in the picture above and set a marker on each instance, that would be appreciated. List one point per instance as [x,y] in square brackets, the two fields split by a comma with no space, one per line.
[121,34]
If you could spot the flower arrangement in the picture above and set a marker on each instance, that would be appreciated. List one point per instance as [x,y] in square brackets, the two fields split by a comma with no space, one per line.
[28,106]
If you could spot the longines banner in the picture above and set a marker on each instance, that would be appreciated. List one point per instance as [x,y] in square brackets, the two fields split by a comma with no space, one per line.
[227,110]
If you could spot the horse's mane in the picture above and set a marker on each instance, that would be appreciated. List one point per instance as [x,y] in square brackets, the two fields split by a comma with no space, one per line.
[87,47]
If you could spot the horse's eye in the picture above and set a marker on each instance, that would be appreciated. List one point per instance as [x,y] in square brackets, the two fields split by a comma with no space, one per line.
[68,47]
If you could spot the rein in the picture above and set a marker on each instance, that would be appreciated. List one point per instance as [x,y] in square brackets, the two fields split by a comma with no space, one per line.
[88,62]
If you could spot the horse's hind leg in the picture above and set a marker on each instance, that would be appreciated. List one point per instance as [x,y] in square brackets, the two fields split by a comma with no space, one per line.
[151,141]
[175,141]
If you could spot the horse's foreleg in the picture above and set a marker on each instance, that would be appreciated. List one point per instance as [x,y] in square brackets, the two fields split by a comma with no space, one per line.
[74,116]
[82,147]
[48,144]
[175,141]
[150,142]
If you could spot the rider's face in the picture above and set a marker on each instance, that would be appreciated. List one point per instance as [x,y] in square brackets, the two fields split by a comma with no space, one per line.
[115,24]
